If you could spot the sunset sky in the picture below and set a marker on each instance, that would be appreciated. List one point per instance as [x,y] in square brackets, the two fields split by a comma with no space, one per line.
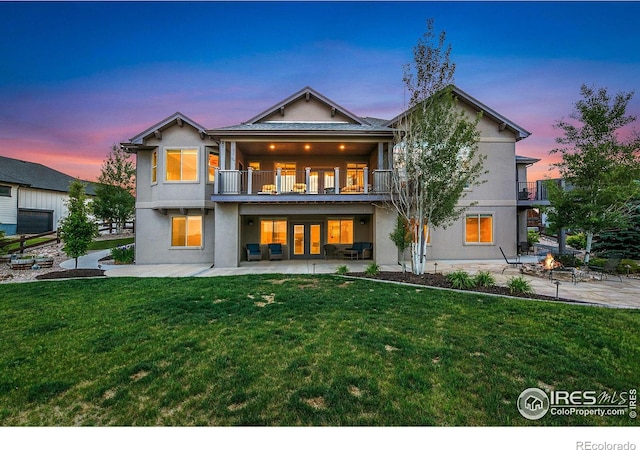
[77,77]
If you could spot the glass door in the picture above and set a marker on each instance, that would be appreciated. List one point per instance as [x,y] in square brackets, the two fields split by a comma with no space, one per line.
[307,240]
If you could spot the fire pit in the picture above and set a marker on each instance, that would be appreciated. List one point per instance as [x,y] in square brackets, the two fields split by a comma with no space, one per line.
[552,268]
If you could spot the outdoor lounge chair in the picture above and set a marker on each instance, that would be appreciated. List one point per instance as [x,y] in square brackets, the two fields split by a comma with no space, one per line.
[268,189]
[512,263]
[253,252]
[275,251]
[610,268]
[329,251]
[299,188]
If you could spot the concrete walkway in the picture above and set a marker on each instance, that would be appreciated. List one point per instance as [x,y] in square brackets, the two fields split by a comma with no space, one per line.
[88,261]
[611,292]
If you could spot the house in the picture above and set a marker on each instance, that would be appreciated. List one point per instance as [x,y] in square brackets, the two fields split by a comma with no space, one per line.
[306,173]
[32,196]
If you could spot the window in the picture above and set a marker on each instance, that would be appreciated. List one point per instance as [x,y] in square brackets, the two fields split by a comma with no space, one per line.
[5,191]
[186,231]
[182,165]
[287,175]
[214,161]
[415,229]
[154,166]
[273,231]
[254,165]
[340,231]
[355,174]
[479,229]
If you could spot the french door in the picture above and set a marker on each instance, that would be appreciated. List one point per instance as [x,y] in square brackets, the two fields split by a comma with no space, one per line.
[306,240]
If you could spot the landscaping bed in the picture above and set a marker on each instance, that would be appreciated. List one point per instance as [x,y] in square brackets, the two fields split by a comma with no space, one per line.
[440,281]
[73,273]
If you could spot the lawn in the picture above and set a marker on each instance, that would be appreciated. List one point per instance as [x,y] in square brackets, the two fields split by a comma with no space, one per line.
[110,243]
[297,350]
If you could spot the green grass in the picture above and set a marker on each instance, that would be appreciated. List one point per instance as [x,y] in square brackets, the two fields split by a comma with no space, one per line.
[16,246]
[110,243]
[296,350]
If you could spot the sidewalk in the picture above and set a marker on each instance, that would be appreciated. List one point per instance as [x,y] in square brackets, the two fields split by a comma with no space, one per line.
[88,261]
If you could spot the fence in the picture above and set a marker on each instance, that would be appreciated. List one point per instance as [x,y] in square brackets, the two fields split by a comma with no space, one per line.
[22,241]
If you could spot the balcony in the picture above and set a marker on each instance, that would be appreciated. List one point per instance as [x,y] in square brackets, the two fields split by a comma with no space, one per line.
[301,186]
[532,193]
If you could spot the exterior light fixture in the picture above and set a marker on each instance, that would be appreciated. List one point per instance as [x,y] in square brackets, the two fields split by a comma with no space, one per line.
[307,147]
[342,147]
[272,147]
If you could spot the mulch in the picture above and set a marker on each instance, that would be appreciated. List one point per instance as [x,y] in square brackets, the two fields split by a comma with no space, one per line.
[73,273]
[440,281]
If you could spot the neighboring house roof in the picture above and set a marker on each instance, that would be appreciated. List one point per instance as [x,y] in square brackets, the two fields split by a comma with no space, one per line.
[177,117]
[36,176]
[520,132]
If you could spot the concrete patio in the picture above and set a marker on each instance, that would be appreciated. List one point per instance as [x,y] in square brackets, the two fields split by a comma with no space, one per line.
[611,292]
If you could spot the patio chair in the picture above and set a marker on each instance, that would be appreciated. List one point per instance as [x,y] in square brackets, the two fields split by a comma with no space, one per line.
[610,267]
[253,252]
[329,251]
[299,188]
[268,189]
[511,263]
[275,251]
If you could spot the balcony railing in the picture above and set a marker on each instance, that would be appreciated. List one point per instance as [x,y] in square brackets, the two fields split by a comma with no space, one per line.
[533,191]
[309,181]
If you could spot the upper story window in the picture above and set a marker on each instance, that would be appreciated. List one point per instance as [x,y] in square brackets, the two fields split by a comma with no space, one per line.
[5,191]
[182,164]
[214,161]
[154,166]
[355,174]
[255,165]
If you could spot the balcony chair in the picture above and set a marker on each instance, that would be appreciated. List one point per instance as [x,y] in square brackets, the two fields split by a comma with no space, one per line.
[253,252]
[299,188]
[268,189]
[275,251]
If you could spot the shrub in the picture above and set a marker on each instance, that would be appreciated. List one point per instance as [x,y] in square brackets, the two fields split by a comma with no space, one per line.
[568,260]
[533,237]
[577,241]
[461,280]
[125,254]
[484,279]
[342,270]
[519,285]
[372,270]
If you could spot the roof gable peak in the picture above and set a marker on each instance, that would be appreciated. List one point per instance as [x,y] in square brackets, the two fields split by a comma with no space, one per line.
[306,105]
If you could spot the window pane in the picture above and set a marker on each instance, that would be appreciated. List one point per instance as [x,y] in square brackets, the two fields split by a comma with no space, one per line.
[213,163]
[486,229]
[189,165]
[471,234]
[173,165]
[280,231]
[266,231]
[346,232]
[314,242]
[333,231]
[5,191]
[194,237]
[154,167]
[298,239]
[178,231]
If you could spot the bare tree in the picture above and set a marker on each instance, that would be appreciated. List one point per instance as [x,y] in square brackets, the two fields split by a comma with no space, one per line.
[436,152]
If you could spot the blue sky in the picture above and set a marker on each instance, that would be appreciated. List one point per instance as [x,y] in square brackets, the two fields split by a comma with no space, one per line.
[77,77]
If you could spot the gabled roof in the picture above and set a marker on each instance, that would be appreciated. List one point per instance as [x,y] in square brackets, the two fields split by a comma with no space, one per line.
[520,132]
[306,92]
[177,117]
[36,176]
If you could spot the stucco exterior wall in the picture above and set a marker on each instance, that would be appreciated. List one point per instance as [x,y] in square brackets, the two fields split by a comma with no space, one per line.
[226,232]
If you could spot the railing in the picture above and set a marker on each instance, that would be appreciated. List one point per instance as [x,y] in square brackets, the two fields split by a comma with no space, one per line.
[308,181]
[533,191]
[22,244]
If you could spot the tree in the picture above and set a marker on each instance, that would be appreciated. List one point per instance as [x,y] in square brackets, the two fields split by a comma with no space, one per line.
[77,230]
[114,201]
[401,237]
[436,152]
[600,170]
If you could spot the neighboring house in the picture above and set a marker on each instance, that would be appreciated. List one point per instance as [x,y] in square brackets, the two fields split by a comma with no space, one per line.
[32,196]
[305,173]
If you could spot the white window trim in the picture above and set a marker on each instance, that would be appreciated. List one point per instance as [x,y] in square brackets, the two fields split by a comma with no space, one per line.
[198,163]
[154,183]
[493,228]
[186,247]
